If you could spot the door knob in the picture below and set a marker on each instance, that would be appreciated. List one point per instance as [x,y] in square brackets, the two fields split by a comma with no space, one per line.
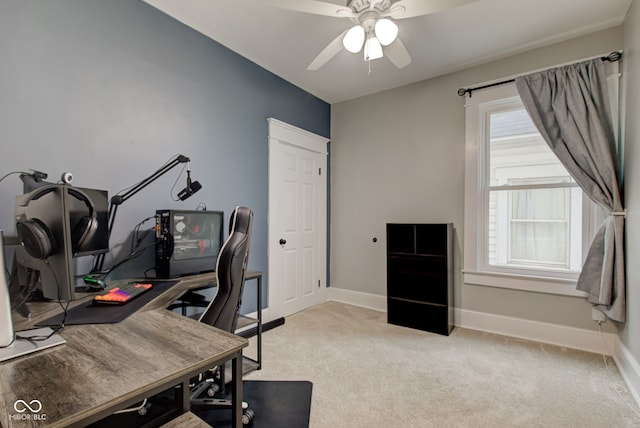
[283,241]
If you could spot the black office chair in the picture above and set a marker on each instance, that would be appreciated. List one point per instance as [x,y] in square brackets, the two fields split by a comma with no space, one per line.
[231,268]
[222,311]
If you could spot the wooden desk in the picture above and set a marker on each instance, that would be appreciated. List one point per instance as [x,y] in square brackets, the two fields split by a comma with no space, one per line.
[103,368]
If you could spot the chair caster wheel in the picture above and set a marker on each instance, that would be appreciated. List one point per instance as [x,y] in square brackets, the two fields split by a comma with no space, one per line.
[247,417]
[144,409]
[213,390]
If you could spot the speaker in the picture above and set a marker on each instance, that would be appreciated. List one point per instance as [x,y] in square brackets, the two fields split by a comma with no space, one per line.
[38,240]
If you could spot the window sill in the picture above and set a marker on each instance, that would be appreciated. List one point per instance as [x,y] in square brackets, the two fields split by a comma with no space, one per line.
[563,287]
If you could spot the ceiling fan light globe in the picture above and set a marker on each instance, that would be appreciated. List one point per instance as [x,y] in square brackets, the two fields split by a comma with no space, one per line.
[372,49]
[386,31]
[354,39]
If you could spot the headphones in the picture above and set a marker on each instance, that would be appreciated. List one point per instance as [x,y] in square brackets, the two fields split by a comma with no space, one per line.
[38,240]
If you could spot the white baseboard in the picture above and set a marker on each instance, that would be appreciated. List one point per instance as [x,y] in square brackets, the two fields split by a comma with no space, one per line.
[554,334]
[629,369]
[358,298]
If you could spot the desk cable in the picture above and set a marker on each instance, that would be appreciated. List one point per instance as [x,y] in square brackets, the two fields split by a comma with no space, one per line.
[64,304]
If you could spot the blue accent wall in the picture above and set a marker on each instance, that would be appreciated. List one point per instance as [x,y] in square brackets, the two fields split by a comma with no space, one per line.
[111,89]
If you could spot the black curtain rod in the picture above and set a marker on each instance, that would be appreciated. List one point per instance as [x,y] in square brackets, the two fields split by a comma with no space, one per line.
[612,57]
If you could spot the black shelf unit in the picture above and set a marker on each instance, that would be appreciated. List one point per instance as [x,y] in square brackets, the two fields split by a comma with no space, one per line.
[420,276]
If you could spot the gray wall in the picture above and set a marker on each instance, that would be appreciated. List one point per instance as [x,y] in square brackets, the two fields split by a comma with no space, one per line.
[631,130]
[110,90]
[398,156]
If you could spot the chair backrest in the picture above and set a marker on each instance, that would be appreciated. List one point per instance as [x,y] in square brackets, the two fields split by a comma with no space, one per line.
[231,266]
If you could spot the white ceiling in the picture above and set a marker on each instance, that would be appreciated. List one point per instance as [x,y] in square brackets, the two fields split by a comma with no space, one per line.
[285,42]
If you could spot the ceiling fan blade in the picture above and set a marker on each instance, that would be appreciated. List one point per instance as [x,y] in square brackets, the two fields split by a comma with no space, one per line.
[397,54]
[327,53]
[409,8]
[313,6]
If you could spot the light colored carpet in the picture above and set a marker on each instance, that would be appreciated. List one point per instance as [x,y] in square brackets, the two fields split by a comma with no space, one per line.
[367,373]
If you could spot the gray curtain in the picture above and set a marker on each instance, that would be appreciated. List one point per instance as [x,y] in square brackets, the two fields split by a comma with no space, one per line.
[570,107]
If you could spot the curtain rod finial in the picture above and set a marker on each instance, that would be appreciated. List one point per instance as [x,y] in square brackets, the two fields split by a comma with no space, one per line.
[613,56]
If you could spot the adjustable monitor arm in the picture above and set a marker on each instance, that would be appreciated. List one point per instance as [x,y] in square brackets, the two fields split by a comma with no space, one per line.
[119,199]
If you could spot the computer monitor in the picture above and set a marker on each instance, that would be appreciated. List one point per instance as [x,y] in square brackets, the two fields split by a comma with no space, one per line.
[55,223]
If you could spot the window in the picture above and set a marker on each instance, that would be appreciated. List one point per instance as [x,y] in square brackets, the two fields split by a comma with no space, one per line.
[533,206]
[527,223]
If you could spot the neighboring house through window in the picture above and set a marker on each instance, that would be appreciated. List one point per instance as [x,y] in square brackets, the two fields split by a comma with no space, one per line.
[527,223]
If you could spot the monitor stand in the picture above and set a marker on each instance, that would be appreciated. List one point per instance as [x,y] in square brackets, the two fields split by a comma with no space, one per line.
[16,344]
[29,341]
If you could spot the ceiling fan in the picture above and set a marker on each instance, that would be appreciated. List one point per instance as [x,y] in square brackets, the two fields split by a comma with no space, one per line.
[374,26]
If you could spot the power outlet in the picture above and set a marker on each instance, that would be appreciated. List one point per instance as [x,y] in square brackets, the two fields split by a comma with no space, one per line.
[598,316]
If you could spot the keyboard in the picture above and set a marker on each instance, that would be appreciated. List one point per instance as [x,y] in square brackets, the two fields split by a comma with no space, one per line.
[122,294]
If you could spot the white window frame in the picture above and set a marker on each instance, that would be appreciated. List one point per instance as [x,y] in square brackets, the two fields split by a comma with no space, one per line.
[476,271]
[488,185]
[509,220]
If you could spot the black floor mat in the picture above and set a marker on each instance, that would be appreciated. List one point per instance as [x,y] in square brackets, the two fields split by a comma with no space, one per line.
[281,404]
